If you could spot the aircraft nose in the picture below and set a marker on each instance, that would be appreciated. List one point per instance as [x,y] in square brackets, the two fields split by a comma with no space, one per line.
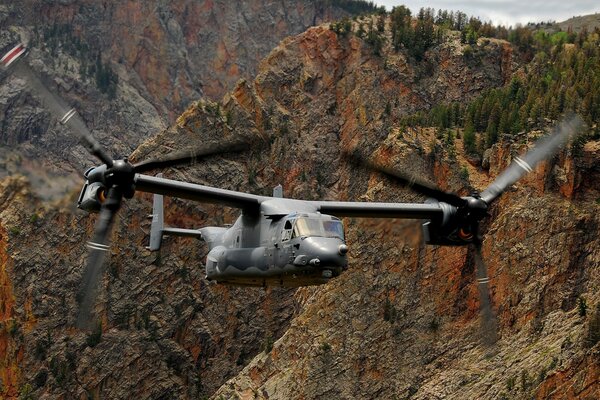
[328,251]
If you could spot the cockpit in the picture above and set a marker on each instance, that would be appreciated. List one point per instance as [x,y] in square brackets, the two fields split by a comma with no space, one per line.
[313,227]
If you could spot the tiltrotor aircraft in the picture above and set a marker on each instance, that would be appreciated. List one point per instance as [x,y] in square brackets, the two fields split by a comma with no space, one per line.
[275,240]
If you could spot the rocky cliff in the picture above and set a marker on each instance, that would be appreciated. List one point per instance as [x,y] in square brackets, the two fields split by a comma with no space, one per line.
[129,68]
[163,55]
[402,322]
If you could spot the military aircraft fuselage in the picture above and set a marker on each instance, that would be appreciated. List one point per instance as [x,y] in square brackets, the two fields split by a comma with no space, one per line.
[277,247]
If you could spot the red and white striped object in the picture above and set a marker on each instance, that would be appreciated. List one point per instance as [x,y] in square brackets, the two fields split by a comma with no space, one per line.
[13,54]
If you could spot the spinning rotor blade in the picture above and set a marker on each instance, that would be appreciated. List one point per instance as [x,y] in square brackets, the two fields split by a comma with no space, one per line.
[421,187]
[189,157]
[65,115]
[543,149]
[99,246]
[489,325]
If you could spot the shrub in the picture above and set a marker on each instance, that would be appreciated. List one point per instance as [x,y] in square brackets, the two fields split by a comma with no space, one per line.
[593,335]
[582,306]
[95,337]
[267,345]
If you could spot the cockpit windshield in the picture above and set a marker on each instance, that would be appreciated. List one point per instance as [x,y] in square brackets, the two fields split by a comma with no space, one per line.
[318,227]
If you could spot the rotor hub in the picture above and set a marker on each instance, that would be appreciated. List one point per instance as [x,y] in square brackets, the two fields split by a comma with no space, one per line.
[476,207]
[459,225]
[121,174]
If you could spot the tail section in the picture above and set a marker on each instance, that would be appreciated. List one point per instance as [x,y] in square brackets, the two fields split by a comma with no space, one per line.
[158,225]
[158,229]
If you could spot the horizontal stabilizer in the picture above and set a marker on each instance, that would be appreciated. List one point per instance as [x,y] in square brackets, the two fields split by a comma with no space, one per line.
[158,229]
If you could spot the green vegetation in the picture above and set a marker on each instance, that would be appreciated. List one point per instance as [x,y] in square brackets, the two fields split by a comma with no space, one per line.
[593,335]
[434,325]
[26,392]
[342,27]
[40,378]
[62,368]
[558,81]
[14,328]
[582,306]
[267,344]
[43,345]
[390,312]
[59,38]
[354,7]
[251,176]
[375,38]
[464,173]
[34,218]
[561,77]
[510,383]
[525,380]
[415,38]
[106,79]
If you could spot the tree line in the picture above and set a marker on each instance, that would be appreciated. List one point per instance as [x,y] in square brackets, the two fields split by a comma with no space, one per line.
[561,78]
[58,38]
[353,7]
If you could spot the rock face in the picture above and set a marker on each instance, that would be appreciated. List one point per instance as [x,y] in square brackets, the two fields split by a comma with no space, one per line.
[176,51]
[164,54]
[402,322]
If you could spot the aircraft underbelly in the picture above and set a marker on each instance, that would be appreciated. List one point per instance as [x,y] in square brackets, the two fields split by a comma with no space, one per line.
[255,267]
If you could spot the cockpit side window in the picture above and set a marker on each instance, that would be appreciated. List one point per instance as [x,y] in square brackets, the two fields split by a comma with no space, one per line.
[287,231]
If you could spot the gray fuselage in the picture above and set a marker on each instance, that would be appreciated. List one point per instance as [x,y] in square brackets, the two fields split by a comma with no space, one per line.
[277,247]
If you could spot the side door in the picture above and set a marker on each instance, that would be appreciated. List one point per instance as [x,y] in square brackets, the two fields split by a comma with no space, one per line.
[284,250]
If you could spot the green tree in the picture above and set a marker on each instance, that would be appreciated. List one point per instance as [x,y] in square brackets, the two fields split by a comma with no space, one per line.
[469,139]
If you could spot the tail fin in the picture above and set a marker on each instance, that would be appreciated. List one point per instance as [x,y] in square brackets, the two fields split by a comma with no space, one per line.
[158,229]
[158,224]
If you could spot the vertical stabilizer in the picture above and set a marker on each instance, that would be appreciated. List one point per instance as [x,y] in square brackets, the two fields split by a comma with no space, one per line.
[157,228]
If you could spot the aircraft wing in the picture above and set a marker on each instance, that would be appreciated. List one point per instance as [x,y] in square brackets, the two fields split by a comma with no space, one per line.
[252,202]
[201,193]
[379,210]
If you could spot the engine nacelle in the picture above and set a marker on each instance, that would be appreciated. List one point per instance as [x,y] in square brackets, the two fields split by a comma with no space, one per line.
[457,227]
[440,231]
[91,196]
[93,192]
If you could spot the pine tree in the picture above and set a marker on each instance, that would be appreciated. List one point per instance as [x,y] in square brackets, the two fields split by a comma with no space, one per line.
[469,138]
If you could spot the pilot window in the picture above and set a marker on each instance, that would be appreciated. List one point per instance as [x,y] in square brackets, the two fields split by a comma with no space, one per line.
[334,228]
[318,227]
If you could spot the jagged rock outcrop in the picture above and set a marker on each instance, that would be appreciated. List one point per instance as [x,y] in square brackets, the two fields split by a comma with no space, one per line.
[165,55]
[403,321]
[179,50]
[160,71]
[165,331]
